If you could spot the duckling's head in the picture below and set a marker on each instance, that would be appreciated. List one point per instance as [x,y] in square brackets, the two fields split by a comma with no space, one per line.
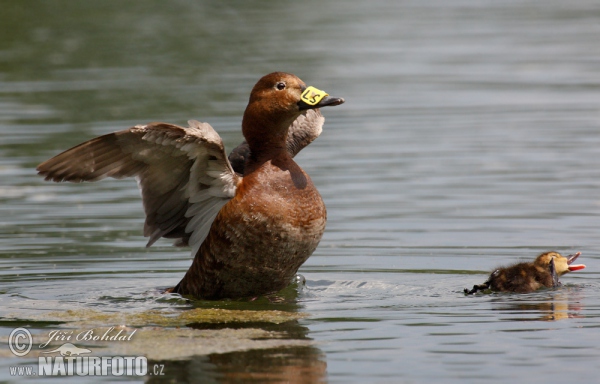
[275,102]
[562,264]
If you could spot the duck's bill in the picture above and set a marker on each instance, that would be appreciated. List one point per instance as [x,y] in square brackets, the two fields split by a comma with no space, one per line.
[571,259]
[315,98]
[329,101]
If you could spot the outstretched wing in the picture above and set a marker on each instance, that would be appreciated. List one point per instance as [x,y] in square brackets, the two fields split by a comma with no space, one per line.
[304,130]
[183,173]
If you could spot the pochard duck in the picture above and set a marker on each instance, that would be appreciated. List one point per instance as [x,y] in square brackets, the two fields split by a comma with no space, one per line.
[250,227]
[529,277]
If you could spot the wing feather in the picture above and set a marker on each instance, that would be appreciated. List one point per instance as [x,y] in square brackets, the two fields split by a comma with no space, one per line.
[183,173]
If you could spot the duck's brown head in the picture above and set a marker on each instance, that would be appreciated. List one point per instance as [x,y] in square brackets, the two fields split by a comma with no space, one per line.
[562,264]
[275,102]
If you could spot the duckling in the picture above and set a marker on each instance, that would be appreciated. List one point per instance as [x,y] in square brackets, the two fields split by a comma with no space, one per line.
[529,277]
[250,227]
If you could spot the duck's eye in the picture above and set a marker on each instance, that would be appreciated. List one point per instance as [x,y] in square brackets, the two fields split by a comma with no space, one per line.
[280,86]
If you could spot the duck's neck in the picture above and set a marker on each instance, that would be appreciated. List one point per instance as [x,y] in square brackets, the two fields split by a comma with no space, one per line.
[266,134]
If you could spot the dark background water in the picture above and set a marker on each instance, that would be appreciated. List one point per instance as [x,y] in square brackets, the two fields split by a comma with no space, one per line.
[469,139]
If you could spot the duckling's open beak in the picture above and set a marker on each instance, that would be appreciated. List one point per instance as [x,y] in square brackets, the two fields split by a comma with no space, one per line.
[574,267]
[315,98]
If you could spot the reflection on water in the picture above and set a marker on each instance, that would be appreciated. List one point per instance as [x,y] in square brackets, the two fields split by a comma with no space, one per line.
[297,364]
[283,365]
[469,140]
[562,305]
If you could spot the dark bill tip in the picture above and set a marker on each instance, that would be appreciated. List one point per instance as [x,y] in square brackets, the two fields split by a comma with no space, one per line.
[327,101]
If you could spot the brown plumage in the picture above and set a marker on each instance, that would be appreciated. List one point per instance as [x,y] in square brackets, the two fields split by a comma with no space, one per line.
[249,234]
[529,277]
[303,131]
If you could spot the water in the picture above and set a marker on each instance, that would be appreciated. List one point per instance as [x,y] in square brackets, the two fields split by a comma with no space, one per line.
[469,139]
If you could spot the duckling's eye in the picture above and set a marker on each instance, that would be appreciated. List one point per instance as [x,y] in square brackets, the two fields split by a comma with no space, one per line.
[280,86]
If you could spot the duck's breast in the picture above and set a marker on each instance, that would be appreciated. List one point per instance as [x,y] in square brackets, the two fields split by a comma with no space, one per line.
[280,210]
[267,231]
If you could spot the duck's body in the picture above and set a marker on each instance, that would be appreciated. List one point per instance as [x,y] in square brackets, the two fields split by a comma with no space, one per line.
[268,230]
[529,277]
[250,234]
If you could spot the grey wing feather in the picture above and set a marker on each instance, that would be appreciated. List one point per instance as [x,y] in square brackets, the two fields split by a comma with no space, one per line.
[181,173]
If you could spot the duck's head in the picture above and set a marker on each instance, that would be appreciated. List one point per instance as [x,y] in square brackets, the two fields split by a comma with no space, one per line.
[275,102]
[562,264]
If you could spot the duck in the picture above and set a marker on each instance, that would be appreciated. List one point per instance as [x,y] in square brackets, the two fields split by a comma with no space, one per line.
[529,277]
[250,227]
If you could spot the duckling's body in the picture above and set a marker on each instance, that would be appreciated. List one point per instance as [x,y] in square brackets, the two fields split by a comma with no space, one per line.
[522,278]
[529,277]
[250,225]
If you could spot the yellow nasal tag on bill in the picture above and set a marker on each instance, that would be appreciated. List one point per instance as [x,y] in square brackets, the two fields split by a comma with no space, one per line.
[312,95]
